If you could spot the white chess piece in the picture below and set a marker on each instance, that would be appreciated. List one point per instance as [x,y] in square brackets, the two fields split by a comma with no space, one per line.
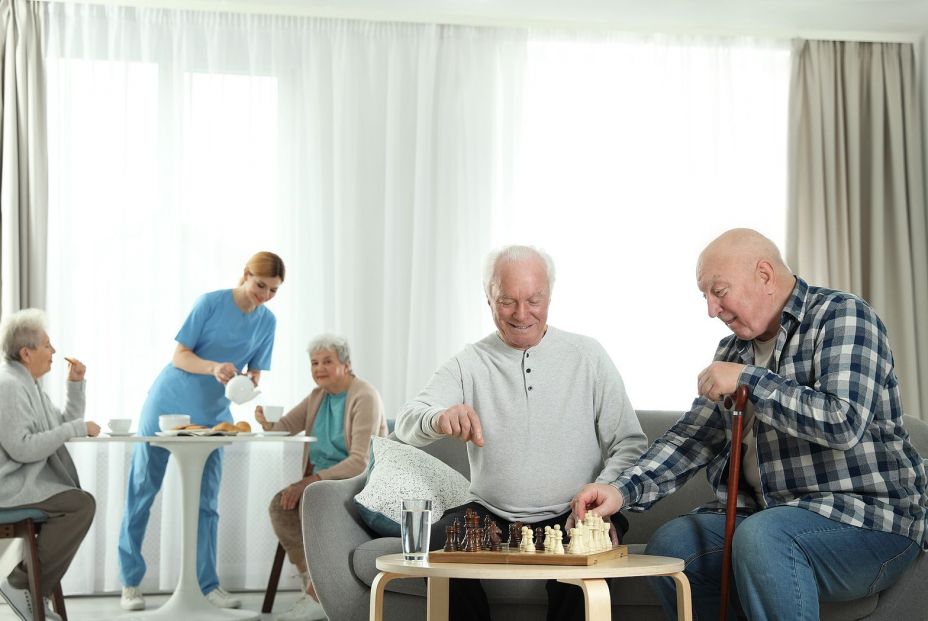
[558,540]
[528,540]
[576,541]
[549,539]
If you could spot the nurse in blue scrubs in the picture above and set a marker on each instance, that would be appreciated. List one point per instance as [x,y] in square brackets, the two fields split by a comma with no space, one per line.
[228,332]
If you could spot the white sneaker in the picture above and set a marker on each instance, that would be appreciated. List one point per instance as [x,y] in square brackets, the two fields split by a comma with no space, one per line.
[20,600]
[132,599]
[304,609]
[219,598]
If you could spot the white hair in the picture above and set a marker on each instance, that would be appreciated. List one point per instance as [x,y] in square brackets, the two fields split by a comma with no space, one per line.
[515,254]
[23,328]
[338,344]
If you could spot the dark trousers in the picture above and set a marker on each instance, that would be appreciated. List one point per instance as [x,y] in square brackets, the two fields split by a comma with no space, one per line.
[468,601]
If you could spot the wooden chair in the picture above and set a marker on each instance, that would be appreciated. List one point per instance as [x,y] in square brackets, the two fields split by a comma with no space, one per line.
[278,564]
[25,524]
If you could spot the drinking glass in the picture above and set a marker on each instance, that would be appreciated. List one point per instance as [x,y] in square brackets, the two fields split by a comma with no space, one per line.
[415,525]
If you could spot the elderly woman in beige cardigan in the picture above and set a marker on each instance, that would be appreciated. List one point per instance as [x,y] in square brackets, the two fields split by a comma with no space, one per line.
[342,412]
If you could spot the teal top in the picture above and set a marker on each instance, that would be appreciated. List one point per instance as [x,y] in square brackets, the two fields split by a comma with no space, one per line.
[329,429]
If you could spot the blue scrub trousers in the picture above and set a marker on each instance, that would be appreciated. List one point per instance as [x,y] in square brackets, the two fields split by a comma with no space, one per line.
[145,476]
[784,560]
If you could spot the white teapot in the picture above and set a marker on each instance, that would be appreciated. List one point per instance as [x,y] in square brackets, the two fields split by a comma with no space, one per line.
[240,389]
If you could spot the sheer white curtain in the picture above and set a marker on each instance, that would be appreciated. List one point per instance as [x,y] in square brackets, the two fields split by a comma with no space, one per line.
[634,153]
[369,156]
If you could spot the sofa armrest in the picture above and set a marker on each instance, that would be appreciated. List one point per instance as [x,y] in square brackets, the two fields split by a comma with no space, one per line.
[332,529]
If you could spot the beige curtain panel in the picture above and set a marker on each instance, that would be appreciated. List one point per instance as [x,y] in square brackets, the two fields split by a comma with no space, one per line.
[856,189]
[23,157]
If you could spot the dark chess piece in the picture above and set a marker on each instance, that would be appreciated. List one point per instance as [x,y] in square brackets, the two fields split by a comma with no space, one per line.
[451,543]
[540,539]
[459,540]
[515,534]
[493,541]
[485,540]
[473,539]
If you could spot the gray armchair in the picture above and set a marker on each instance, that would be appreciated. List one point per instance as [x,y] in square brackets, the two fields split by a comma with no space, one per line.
[341,552]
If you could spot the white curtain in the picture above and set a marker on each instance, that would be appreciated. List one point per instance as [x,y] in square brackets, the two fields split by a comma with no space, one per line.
[635,152]
[382,161]
[369,156]
[23,158]
[857,218]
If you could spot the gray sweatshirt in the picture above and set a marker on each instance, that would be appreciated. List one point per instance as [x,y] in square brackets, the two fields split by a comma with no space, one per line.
[34,463]
[555,417]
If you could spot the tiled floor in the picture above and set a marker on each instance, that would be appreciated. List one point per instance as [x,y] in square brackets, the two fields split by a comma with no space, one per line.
[101,608]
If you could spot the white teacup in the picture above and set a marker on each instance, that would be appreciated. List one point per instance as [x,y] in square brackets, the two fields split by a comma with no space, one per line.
[120,425]
[273,412]
[166,422]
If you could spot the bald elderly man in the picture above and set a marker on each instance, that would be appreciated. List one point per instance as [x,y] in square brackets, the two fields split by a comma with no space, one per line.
[832,505]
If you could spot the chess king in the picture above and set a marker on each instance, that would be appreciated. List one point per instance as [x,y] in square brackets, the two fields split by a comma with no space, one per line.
[528,399]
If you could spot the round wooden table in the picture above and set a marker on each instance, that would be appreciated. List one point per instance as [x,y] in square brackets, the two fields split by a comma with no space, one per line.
[591,578]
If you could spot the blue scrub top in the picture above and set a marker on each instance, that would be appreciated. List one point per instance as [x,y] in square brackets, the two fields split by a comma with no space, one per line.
[216,329]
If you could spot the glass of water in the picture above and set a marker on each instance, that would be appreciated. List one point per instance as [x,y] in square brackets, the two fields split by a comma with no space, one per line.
[415,524]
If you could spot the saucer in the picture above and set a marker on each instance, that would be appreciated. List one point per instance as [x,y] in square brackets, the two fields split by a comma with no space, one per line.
[274,433]
[119,434]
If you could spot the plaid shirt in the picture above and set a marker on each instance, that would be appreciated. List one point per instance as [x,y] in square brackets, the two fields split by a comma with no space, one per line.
[828,425]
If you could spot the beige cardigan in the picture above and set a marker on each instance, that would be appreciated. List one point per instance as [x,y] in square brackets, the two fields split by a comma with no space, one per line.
[364,417]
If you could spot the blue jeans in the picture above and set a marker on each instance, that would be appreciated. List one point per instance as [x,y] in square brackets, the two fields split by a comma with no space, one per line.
[784,560]
[145,476]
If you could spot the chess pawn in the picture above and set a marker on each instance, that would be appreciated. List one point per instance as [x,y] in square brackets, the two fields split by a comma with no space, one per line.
[558,543]
[460,536]
[539,539]
[451,544]
[515,534]
[549,538]
[527,544]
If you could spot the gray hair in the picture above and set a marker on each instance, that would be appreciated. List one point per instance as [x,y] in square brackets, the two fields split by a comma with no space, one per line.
[22,329]
[515,254]
[337,344]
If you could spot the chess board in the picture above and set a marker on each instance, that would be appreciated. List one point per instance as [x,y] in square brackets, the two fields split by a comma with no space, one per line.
[515,557]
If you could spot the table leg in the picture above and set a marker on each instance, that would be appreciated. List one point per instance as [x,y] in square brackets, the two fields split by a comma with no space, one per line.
[596,599]
[377,592]
[188,602]
[437,599]
[684,597]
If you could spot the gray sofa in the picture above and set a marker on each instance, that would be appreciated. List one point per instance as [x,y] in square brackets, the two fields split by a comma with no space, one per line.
[341,552]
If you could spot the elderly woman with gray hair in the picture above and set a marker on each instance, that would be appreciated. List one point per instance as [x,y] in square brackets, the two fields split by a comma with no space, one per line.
[342,412]
[36,471]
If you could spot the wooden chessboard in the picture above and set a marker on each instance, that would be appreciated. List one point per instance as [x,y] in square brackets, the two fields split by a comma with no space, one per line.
[515,557]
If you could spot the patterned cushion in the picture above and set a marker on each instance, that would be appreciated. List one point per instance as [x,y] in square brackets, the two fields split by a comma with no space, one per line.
[401,471]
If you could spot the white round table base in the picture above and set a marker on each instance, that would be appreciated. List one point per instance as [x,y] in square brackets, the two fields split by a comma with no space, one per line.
[181,607]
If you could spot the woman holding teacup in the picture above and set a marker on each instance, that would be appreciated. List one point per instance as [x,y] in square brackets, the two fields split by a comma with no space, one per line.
[226,332]
[342,412]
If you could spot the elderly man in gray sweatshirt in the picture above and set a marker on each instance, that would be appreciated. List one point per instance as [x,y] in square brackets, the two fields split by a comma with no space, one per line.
[543,411]
[36,471]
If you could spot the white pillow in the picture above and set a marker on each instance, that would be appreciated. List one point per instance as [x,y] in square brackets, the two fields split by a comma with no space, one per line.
[401,471]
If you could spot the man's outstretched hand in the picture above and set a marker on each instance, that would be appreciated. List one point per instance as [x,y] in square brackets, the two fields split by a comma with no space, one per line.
[604,499]
[460,421]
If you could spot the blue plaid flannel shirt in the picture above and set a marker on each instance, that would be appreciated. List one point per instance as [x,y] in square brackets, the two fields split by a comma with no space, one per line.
[828,425]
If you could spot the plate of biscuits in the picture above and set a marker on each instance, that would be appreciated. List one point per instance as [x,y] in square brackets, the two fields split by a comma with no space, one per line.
[222,429]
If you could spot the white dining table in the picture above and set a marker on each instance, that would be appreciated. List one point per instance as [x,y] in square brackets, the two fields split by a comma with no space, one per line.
[191,453]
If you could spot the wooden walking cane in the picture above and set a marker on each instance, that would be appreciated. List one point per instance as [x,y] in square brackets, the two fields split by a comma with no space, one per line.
[734,473]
